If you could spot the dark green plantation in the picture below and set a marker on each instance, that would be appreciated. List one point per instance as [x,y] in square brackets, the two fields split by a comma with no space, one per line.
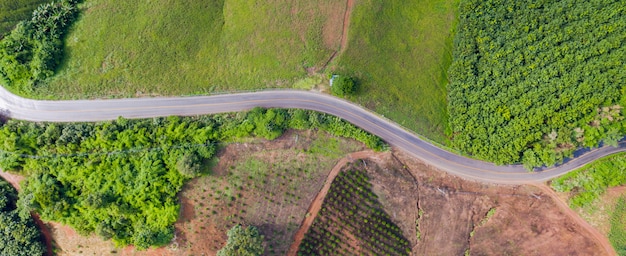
[353,222]
[533,80]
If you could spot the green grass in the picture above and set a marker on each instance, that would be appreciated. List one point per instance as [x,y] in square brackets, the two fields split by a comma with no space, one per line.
[400,51]
[133,48]
[617,233]
[591,181]
[14,11]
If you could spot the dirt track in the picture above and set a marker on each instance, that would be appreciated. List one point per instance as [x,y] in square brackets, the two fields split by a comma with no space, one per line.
[344,33]
[602,240]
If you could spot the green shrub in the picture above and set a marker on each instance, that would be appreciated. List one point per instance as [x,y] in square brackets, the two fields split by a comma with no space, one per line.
[31,52]
[18,236]
[589,182]
[343,85]
[243,242]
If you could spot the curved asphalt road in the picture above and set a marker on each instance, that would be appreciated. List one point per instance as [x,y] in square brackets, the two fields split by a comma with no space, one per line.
[98,110]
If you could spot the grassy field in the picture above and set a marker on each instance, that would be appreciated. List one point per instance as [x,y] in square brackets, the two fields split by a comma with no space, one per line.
[134,48]
[14,11]
[400,51]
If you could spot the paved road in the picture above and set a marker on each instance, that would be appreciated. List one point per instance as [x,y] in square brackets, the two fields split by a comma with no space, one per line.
[97,110]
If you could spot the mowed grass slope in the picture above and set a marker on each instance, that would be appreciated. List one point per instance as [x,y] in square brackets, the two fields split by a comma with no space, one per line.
[165,47]
[400,51]
[14,11]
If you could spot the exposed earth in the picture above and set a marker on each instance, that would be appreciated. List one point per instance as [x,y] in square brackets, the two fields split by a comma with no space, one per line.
[448,213]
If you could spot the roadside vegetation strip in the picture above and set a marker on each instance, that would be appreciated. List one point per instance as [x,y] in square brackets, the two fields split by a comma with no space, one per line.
[590,182]
[130,196]
[399,52]
[352,221]
[532,82]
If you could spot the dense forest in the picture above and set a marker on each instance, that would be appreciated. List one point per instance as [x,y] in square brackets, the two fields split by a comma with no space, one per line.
[533,80]
[120,178]
[18,233]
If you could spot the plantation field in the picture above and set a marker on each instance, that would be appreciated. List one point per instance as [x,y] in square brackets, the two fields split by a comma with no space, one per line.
[400,51]
[352,221]
[136,48]
[617,234]
[531,82]
[14,11]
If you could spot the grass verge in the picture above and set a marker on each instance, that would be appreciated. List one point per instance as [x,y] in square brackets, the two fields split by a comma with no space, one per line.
[588,183]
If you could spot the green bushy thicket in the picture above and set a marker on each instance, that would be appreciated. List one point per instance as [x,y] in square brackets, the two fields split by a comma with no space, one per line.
[120,179]
[14,11]
[532,81]
[31,52]
[18,236]
[591,181]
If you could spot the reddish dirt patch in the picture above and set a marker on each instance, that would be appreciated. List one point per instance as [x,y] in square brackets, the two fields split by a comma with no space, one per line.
[600,239]
[527,221]
[12,179]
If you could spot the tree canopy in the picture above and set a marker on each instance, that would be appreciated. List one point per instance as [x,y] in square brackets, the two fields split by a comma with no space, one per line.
[343,85]
[243,242]
[31,52]
[18,236]
[531,81]
[119,179]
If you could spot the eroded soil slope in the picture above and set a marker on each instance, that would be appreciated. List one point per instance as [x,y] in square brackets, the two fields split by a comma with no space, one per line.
[446,215]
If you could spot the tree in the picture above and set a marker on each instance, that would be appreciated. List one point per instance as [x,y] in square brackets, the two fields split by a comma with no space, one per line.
[189,165]
[243,242]
[343,85]
[17,236]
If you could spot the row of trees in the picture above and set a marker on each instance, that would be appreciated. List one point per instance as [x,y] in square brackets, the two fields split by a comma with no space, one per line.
[531,81]
[120,179]
[31,52]
[18,236]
